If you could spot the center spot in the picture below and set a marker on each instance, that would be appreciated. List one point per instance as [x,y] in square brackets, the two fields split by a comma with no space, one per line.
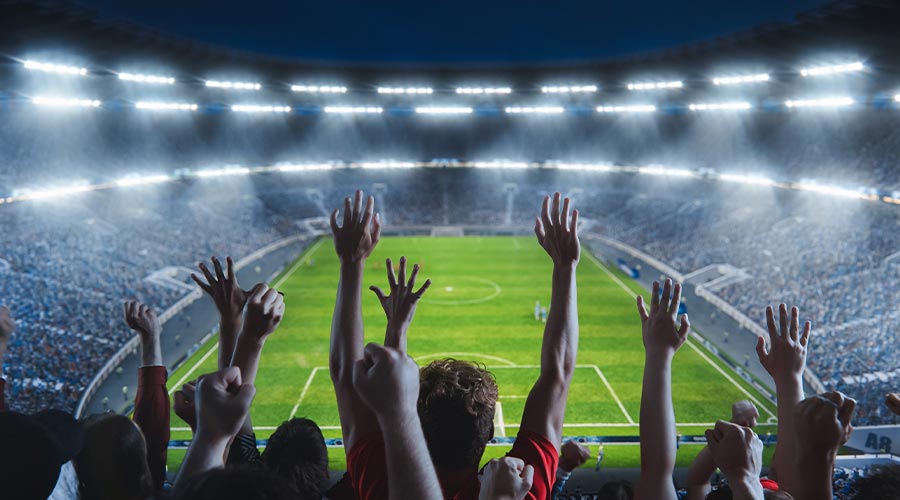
[448,288]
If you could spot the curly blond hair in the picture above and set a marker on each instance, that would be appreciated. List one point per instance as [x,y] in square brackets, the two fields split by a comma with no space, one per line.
[456,406]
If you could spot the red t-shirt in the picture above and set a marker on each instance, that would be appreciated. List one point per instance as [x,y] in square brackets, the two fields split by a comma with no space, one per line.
[368,471]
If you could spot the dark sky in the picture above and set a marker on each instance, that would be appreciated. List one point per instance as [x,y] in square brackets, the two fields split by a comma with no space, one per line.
[461,31]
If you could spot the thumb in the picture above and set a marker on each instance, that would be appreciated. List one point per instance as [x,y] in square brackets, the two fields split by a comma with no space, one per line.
[528,475]
[360,377]
[245,395]
[761,348]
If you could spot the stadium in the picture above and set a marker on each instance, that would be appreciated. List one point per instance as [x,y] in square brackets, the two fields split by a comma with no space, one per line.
[755,168]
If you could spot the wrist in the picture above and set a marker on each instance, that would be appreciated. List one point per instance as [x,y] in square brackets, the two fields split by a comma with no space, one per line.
[252,341]
[352,264]
[745,487]
[398,420]
[659,357]
[210,440]
[230,323]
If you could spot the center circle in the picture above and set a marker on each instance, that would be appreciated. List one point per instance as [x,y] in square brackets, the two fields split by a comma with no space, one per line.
[462,290]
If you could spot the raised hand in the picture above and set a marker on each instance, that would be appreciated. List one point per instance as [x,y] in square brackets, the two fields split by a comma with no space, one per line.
[893,403]
[744,413]
[786,357]
[661,332]
[359,232]
[222,404]
[387,381]
[7,327]
[573,455]
[506,478]
[400,305]
[737,451]
[143,320]
[223,287]
[556,233]
[265,309]
[822,424]
[183,404]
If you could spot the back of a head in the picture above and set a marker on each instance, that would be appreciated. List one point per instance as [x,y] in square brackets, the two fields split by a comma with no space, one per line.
[881,483]
[243,482]
[29,467]
[296,451]
[456,406]
[113,462]
[616,490]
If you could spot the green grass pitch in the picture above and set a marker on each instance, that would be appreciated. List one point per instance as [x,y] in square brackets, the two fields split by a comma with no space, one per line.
[481,307]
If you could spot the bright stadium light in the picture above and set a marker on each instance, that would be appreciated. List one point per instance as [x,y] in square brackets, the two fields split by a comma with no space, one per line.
[568,89]
[832,190]
[255,108]
[303,167]
[55,68]
[824,102]
[65,102]
[233,85]
[508,164]
[386,164]
[483,90]
[57,192]
[720,106]
[676,84]
[738,80]
[631,108]
[320,89]
[541,110]
[897,97]
[353,110]
[406,90]
[135,77]
[223,172]
[584,167]
[673,172]
[141,180]
[165,106]
[833,70]
[747,179]
[444,110]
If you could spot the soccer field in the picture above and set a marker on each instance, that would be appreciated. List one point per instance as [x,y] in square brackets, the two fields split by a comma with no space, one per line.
[480,307]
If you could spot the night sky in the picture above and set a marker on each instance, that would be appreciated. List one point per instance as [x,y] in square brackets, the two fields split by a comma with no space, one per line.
[463,31]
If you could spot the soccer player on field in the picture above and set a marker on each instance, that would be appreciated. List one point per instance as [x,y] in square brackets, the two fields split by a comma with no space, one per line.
[456,398]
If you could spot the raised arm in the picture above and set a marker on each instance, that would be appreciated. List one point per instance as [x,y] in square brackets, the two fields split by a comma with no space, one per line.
[545,407]
[387,381]
[663,336]
[823,425]
[354,241]
[151,405]
[737,451]
[506,478]
[230,299]
[400,305]
[743,413]
[785,361]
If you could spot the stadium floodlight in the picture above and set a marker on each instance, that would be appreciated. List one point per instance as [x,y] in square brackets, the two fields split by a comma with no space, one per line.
[897,97]
[65,102]
[569,89]
[233,85]
[737,80]
[57,192]
[541,110]
[586,167]
[386,164]
[833,70]
[141,180]
[320,89]
[832,190]
[55,68]
[673,172]
[508,164]
[675,84]
[483,90]
[222,172]
[255,108]
[824,102]
[406,90]
[353,110]
[721,106]
[135,77]
[444,110]
[303,167]
[165,106]
[756,180]
[630,108]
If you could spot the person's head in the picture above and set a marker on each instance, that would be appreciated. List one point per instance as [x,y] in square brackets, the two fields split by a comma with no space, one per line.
[882,483]
[616,490]
[297,452]
[113,462]
[456,407]
[242,482]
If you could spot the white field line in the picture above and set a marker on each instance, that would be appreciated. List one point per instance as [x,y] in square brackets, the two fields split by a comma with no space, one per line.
[304,391]
[614,395]
[689,342]
[190,372]
[303,259]
[499,424]
[437,355]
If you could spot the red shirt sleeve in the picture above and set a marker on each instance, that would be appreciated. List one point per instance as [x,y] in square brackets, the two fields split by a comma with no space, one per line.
[151,414]
[537,451]
[342,490]
[367,468]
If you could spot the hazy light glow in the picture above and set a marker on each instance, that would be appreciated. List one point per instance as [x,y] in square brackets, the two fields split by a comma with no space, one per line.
[165,106]
[483,90]
[56,192]
[543,110]
[136,77]
[823,102]
[320,89]
[897,97]
[222,172]
[833,69]
[832,190]
[142,180]
[406,90]
[303,167]
[353,110]
[65,102]
[569,89]
[586,167]
[444,110]
[233,85]
[61,69]
[255,108]
[720,106]
[508,164]
[673,172]
[757,180]
[738,80]
[387,164]
[675,84]
[630,108]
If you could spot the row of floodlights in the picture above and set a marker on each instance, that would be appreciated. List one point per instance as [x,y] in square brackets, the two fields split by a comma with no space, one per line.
[550,89]
[823,102]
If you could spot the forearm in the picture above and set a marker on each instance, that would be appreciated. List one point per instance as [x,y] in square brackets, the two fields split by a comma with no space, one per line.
[151,353]
[151,414]
[789,393]
[817,474]
[229,328]
[699,474]
[395,336]
[346,325]
[560,343]
[747,489]
[657,422]
[203,454]
[411,473]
